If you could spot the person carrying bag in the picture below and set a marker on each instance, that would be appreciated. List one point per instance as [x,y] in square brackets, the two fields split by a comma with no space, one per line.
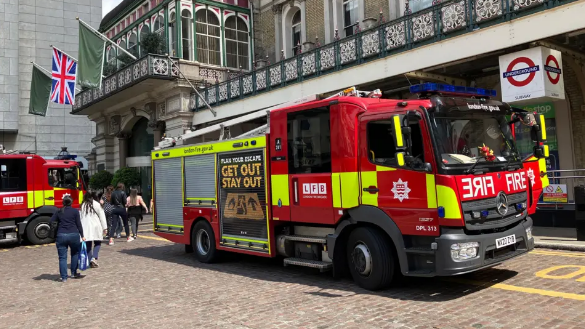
[93,220]
[119,201]
[68,230]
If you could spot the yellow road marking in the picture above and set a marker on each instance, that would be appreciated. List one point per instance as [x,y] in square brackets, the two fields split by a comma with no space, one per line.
[508,287]
[558,253]
[578,270]
[153,238]
[3,250]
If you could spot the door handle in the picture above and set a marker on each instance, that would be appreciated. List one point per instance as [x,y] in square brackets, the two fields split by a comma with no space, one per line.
[50,198]
[371,189]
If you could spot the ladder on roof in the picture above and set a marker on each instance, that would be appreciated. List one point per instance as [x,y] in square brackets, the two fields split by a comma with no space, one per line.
[223,127]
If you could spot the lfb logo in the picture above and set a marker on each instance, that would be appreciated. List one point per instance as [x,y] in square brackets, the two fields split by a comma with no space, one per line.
[11,200]
[314,188]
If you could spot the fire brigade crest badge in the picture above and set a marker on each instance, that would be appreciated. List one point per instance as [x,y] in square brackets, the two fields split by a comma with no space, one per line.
[530,174]
[65,195]
[400,190]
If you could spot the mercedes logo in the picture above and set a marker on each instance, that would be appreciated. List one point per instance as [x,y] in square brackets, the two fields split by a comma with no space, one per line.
[502,204]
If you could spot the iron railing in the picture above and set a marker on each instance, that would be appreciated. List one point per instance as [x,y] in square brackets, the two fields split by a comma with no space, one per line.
[441,21]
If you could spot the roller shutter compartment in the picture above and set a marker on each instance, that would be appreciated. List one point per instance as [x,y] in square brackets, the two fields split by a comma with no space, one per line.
[168,192]
[200,180]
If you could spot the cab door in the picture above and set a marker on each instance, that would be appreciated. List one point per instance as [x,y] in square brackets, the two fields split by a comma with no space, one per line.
[309,165]
[406,191]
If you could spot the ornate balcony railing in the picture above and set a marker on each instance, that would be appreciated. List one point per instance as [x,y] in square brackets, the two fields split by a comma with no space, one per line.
[149,66]
[439,22]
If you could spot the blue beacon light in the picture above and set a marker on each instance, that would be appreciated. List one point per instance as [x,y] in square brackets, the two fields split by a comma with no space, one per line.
[431,87]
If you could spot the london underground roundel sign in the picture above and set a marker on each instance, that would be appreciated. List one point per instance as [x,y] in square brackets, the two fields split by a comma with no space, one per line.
[553,69]
[517,77]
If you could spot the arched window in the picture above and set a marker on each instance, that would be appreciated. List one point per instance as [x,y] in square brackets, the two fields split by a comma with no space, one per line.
[142,34]
[187,34]
[208,37]
[236,41]
[112,55]
[133,43]
[172,33]
[158,24]
[296,32]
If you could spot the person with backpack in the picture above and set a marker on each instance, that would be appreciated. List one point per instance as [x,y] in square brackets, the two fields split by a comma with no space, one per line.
[93,220]
[118,200]
[68,233]
[134,205]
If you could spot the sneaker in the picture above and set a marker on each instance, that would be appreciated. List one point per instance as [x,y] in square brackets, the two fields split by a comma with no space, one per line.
[93,263]
[119,236]
[62,280]
[130,239]
[111,243]
[135,236]
[78,276]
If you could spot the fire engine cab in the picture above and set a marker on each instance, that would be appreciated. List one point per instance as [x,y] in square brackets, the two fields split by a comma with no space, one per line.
[31,190]
[371,187]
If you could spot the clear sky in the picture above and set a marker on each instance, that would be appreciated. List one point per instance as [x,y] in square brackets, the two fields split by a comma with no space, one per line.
[108,5]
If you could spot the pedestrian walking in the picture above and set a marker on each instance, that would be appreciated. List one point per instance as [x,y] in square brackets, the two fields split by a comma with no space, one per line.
[69,231]
[106,202]
[118,200]
[134,205]
[93,220]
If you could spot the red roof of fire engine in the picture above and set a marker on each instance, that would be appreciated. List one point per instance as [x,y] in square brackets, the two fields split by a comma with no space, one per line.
[370,104]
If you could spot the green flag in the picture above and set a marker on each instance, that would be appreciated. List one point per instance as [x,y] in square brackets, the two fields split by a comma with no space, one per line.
[40,91]
[91,58]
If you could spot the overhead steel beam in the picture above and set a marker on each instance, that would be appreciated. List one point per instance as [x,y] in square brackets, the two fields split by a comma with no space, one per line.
[436,77]
[569,52]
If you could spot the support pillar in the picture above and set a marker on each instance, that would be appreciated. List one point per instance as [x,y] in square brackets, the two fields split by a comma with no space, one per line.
[123,148]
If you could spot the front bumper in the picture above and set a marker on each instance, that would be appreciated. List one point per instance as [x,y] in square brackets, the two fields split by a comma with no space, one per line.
[488,255]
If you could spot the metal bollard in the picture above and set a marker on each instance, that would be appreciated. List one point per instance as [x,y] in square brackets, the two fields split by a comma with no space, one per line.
[580,212]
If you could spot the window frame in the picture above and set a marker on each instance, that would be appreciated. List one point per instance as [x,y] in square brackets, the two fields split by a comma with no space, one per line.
[238,20]
[187,22]
[20,165]
[351,26]
[325,166]
[299,25]
[208,36]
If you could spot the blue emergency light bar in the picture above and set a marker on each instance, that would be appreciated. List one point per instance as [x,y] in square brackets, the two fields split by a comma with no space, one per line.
[430,87]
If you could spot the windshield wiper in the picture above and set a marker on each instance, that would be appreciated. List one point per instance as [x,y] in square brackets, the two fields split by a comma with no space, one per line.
[508,159]
[471,169]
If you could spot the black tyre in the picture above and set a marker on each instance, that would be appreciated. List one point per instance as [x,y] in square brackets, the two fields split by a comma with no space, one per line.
[203,242]
[37,230]
[370,258]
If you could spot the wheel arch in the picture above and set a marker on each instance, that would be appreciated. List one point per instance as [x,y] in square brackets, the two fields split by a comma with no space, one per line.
[194,223]
[41,211]
[365,216]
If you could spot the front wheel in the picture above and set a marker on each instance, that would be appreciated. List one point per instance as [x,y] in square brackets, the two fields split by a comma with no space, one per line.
[370,258]
[37,230]
[203,242]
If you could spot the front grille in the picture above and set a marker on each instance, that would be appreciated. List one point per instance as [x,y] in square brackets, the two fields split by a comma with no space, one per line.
[493,219]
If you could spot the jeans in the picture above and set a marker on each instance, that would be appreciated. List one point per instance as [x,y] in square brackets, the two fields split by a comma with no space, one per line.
[120,211]
[134,225]
[91,251]
[64,241]
[119,227]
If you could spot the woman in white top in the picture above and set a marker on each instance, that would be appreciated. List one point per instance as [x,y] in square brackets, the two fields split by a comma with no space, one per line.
[93,220]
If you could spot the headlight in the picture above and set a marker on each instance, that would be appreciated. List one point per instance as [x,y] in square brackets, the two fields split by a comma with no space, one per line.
[464,251]
[529,233]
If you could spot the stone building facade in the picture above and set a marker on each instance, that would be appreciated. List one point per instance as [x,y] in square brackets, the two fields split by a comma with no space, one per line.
[27,30]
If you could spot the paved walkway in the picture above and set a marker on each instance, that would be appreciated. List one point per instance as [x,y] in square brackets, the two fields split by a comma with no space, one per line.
[557,238]
[152,283]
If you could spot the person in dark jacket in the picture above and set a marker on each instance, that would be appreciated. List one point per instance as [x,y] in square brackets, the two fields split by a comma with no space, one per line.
[69,231]
[118,200]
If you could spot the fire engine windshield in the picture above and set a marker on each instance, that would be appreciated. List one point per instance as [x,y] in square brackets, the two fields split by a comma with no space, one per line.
[462,139]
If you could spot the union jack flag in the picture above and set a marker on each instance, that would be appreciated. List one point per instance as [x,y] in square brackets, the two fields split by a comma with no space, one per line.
[64,77]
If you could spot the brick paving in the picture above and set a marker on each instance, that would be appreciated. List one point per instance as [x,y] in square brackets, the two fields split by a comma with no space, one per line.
[151,283]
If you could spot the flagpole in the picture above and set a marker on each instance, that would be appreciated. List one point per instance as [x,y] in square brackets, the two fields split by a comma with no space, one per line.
[103,37]
[64,53]
[190,84]
[49,74]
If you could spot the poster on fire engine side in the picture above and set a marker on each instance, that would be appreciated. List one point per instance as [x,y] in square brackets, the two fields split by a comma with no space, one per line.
[242,194]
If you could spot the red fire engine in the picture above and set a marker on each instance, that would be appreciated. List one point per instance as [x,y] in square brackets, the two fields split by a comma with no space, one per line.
[31,190]
[371,187]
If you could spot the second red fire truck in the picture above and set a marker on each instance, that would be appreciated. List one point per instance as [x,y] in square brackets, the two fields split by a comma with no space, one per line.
[371,187]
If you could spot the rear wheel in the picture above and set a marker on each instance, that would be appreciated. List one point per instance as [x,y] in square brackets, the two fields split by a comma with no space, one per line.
[203,242]
[370,258]
[37,230]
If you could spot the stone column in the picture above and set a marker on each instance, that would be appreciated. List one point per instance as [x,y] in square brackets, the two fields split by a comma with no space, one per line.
[123,148]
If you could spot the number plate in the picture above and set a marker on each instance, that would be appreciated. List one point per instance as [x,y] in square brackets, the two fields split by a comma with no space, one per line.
[505,241]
